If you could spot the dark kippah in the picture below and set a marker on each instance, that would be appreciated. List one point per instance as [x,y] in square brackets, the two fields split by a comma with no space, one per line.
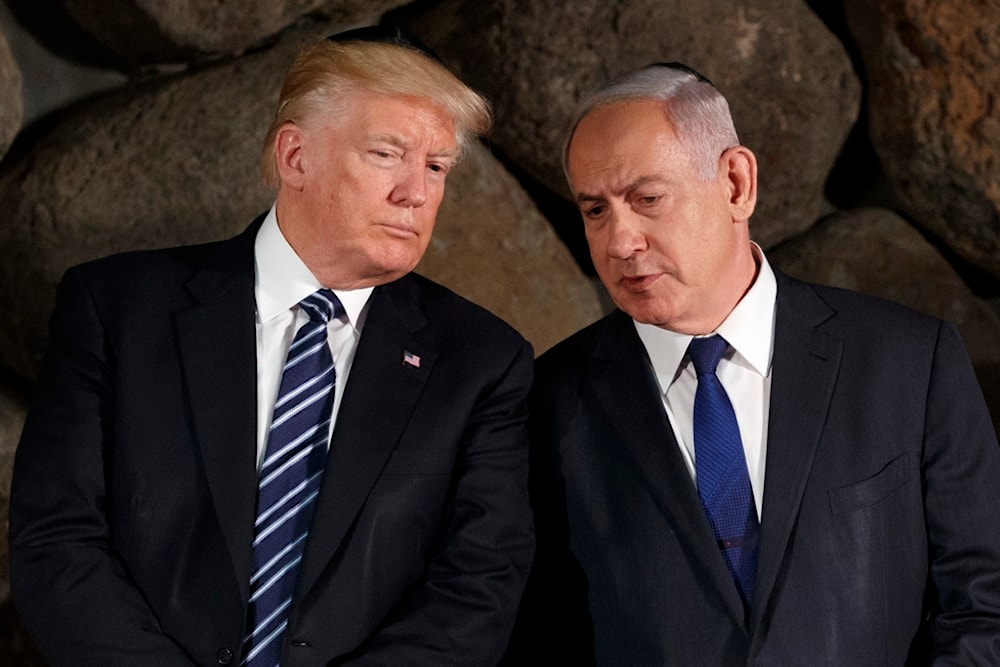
[684,68]
[385,35]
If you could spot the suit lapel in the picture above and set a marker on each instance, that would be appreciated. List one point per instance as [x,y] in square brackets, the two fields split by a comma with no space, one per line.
[380,395]
[218,355]
[626,392]
[804,373]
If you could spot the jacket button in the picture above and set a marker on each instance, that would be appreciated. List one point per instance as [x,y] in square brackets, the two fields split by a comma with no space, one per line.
[224,656]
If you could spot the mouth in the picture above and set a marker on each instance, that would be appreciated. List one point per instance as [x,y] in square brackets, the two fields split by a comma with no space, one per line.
[637,284]
[399,230]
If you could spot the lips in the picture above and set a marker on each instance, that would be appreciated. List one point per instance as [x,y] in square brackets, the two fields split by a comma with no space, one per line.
[638,283]
[399,230]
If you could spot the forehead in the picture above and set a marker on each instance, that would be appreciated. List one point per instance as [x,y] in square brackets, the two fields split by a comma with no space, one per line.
[411,120]
[624,140]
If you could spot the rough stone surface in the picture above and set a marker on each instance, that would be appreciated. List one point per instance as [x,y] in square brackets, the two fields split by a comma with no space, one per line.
[11,100]
[156,165]
[175,163]
[933,68]
[151,31]
[789,81]
[877,252]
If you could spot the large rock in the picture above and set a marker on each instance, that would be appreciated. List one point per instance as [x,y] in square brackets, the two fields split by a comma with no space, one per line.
[11,100]
[789,80]
[876,252]
[144,32]
[176,163]
[156,165]
[933,68]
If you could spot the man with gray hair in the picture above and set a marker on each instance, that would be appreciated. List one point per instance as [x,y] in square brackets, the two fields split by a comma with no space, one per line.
[286,448]
[736,467]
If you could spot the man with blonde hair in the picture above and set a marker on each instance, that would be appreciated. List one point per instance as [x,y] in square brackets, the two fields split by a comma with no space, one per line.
[286,448]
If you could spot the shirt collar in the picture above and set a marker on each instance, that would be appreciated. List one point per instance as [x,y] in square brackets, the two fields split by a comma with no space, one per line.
[282,279]
[749,329]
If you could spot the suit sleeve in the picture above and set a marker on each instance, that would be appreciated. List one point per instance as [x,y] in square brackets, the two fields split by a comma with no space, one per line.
[462,612]
[69,586]
[961,472]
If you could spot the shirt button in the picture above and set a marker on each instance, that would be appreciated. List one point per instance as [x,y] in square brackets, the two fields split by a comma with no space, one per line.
[224,656]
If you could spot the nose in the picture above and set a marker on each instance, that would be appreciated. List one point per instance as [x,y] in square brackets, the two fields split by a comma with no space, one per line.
[625,236]
[411,189]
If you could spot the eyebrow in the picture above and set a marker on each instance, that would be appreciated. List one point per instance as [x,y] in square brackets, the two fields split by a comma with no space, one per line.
[639,182]
[396,140]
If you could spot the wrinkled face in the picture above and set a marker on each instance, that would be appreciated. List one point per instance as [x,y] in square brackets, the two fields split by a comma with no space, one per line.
[360,188]
[666,244]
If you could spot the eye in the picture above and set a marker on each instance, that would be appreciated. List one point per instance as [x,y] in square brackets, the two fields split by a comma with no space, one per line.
[438,167]
[594,211]
[384,154]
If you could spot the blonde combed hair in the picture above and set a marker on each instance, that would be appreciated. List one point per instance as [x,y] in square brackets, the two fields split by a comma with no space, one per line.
[324,73]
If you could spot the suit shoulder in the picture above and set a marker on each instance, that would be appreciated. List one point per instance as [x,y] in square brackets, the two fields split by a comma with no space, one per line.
[141,267]
[466,318]
[569,355]
[138,273]
[860,313]
[872,312]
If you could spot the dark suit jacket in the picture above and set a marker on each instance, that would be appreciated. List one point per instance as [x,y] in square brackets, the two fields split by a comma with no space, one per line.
[880,535]
[134,487]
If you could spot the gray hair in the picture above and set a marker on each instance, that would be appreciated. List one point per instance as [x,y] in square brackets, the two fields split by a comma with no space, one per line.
[699,113]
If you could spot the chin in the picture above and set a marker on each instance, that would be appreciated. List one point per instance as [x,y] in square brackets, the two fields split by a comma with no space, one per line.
[645,312]
[388,271]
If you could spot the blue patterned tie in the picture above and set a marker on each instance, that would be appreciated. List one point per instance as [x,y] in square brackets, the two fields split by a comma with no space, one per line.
[290,479]
[723,482]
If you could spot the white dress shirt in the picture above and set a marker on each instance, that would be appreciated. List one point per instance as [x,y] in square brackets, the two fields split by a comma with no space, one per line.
[744,371]
[281,281]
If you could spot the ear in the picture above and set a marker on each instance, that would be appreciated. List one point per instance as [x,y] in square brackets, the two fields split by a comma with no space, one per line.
[288,145]
[738,169]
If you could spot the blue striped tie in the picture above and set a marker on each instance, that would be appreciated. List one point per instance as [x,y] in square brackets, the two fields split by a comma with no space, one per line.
[723,481]
[290,479]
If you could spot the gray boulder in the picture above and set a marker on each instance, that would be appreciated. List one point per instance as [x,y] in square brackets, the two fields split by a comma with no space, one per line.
[11,100]
[789,81]
[143,32]
[933,69]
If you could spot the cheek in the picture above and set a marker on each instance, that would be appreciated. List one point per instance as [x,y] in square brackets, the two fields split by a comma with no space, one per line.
[435,195]
[595,241]
[597,254]
[606,267]
[371,189]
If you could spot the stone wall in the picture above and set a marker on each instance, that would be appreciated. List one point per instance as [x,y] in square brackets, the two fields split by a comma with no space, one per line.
[876,124]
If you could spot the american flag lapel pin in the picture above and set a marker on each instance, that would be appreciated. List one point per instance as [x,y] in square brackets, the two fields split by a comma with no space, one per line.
[411,359]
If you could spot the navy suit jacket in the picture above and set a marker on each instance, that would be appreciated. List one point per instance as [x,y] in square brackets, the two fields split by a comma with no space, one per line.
[880,533]
[135,480]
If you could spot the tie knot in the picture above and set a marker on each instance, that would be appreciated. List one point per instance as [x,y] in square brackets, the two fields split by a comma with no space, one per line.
[706,352]
[322,305]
